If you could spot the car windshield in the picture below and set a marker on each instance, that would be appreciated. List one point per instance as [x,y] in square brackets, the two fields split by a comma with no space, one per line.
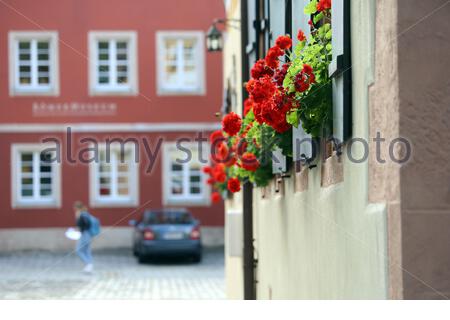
[168,218]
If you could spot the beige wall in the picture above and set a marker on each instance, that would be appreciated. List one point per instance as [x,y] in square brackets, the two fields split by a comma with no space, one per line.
[329,241]
[371,230]
[233,263]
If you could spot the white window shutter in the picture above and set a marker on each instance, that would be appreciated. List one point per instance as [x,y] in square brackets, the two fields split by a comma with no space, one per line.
[340,70]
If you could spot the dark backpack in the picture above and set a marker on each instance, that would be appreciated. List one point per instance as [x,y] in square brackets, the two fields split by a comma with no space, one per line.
[94,225]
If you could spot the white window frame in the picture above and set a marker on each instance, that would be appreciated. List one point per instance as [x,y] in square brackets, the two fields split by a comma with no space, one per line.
[16,199]
[95,199]
[161,36]
[168,197]
[15,88]
[113,90]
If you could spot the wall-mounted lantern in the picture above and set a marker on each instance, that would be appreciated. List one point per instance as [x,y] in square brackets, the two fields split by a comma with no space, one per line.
[214,37]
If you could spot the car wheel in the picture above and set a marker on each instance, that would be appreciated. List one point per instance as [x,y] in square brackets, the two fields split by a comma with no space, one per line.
[197,257]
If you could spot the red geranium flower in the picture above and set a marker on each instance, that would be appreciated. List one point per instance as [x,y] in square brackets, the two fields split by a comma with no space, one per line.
[216,135]
[301,35]
[323,5]
[248,105]
[307,69]
[304,78]
[301,82]
[207,169]
[249,161]
[284,42]
[218,173]
[231,123]
[215,197]
[260,69]
[272,57]
[281,74]
[234,185]
[223,154]
[210,181]
[261,89]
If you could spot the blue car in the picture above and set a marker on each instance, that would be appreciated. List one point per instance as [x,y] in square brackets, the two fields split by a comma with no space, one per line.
[167,232]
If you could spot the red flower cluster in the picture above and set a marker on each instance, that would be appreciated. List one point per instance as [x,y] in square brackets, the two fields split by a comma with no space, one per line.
[280,74]
[301,35]
[248,105]
[249,162]
[284,42]
[216,135]
[268,99]
[272,56]
[323,5]
[304,78]
[273,112]
[234,185]
[261,89]
[231,123]
[216,173]
[215,197]
[260,69]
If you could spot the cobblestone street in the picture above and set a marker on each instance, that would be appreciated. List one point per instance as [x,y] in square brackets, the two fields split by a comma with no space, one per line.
[44,275]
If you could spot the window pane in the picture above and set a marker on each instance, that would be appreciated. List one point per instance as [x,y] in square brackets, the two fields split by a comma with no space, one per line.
[171,50]
[47,180]
[24,45]
[195,190]
[105,180]
[24,62]
[27,157]
[105,167]
[105,191]
[26,182]
[177,185]
[188,50]
[123,179]
[43,45]
[103,45]
[27,192]
[46,192]
[177,167]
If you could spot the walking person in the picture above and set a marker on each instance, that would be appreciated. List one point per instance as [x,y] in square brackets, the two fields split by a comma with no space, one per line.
[84,224]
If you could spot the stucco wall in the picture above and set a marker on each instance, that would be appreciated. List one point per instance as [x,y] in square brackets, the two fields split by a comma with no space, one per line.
[232,72]
[329,242]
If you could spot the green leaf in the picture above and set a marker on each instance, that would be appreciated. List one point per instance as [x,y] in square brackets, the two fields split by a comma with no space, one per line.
[318,17]
[311,7]
[292,118]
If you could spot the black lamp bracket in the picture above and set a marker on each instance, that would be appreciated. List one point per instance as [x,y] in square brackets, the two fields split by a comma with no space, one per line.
[231,23]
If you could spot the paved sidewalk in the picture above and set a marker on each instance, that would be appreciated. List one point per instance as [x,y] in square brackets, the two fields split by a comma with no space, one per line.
[44,275]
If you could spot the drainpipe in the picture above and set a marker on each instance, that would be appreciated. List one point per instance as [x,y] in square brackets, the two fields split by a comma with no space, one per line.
[248,255]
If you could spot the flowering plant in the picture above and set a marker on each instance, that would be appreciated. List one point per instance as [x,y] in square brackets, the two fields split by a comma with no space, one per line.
[307,77]
[289,84]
